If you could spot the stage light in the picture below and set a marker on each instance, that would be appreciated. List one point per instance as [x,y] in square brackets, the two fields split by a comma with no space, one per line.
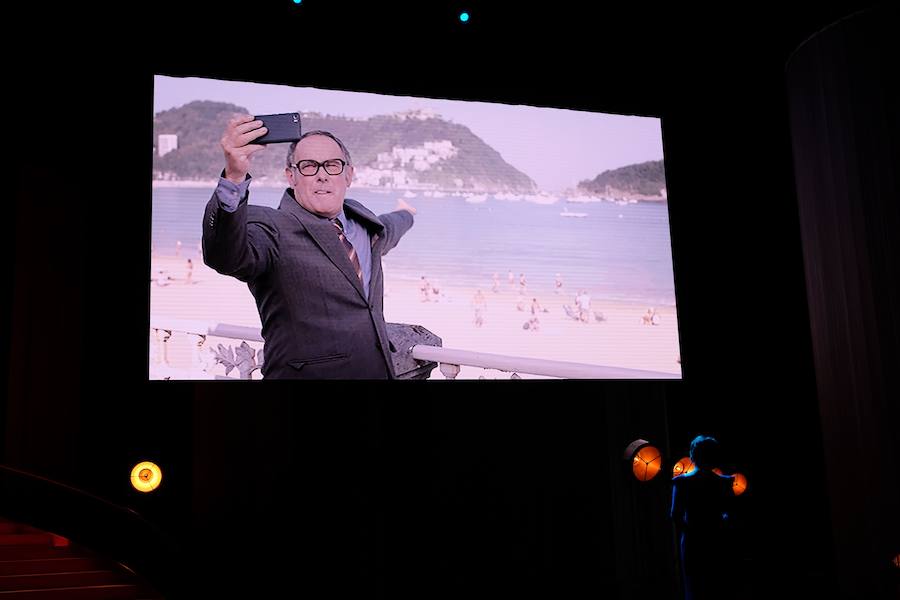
[739,486]
[297,1]
[146,476]
[682,466]
[464,17]
[646,461]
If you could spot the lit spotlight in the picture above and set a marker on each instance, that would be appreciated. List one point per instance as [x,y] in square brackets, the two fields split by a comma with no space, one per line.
[683,466]
[464,17]
[146,476]
[297,1]
[645,460]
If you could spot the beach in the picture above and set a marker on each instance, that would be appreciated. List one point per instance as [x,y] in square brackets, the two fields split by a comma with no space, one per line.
[622,339]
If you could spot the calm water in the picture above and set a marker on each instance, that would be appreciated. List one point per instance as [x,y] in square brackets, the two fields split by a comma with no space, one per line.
[616,252]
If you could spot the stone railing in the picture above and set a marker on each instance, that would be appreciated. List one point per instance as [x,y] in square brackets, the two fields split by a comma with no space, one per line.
[450,361]
[182,349]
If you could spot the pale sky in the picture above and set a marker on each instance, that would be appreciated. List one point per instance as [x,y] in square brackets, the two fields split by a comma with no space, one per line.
[557,148]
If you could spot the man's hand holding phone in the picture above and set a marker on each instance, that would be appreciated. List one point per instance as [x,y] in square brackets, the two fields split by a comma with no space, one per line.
[237,143]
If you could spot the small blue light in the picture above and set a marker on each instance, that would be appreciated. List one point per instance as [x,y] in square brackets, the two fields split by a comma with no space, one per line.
[464,16]
[297,1]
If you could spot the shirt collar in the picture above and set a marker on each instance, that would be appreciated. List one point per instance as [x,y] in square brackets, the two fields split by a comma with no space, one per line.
[343,217]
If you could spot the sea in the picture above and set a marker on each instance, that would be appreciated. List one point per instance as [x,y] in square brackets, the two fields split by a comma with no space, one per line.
[616,251]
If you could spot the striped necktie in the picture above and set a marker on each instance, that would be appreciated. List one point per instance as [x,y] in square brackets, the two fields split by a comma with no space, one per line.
[351,252]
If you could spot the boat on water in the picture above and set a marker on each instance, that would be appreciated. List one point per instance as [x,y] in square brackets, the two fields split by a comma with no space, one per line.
[566,213]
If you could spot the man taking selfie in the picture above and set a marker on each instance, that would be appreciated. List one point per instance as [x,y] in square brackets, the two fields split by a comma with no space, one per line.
[313,264]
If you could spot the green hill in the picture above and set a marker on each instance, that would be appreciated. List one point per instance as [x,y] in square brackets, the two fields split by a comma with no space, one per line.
[413,149]
[646,179]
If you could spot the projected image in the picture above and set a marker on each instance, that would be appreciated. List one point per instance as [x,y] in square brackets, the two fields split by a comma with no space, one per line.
[521,240]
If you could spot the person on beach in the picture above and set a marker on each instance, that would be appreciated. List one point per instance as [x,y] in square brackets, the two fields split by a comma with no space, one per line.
[557,284]
[189,272]
[313,264]
[162,278]
[535,323]
[583,306]
[425,288]
[479,303]
[496,287]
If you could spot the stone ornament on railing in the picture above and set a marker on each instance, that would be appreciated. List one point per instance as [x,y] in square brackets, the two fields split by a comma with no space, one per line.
[243,358]
[402,338]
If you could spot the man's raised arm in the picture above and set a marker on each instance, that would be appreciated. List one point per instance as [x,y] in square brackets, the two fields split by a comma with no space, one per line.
[232,243]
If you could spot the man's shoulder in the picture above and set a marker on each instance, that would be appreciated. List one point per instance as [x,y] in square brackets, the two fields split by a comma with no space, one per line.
[685,478]
[388,223]
[358,211]
[266,214]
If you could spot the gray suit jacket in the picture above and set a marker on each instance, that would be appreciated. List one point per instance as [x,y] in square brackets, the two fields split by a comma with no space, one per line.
[316,321]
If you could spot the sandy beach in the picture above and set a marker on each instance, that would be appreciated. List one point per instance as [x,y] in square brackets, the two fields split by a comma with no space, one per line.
[620,340]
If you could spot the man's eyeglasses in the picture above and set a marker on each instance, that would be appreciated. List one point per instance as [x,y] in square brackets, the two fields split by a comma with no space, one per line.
[308,168]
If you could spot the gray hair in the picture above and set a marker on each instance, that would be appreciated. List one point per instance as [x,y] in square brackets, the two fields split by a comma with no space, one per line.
[328,134]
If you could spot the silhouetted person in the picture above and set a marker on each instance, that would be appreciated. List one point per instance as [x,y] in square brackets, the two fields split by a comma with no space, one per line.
[700,506]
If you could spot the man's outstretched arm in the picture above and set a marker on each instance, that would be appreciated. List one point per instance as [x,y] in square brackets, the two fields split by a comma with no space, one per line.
[397,223]
[234,243]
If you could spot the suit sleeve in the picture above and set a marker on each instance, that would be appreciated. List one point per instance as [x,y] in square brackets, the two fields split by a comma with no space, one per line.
[396,224]
[242,244]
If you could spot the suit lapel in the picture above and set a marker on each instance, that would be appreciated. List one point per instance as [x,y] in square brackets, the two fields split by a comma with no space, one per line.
[325,236]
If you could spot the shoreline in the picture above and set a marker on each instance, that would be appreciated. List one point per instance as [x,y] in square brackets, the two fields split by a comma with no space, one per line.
[419,192]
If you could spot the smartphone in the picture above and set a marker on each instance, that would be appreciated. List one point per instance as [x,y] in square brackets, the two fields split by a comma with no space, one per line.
[284,127]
